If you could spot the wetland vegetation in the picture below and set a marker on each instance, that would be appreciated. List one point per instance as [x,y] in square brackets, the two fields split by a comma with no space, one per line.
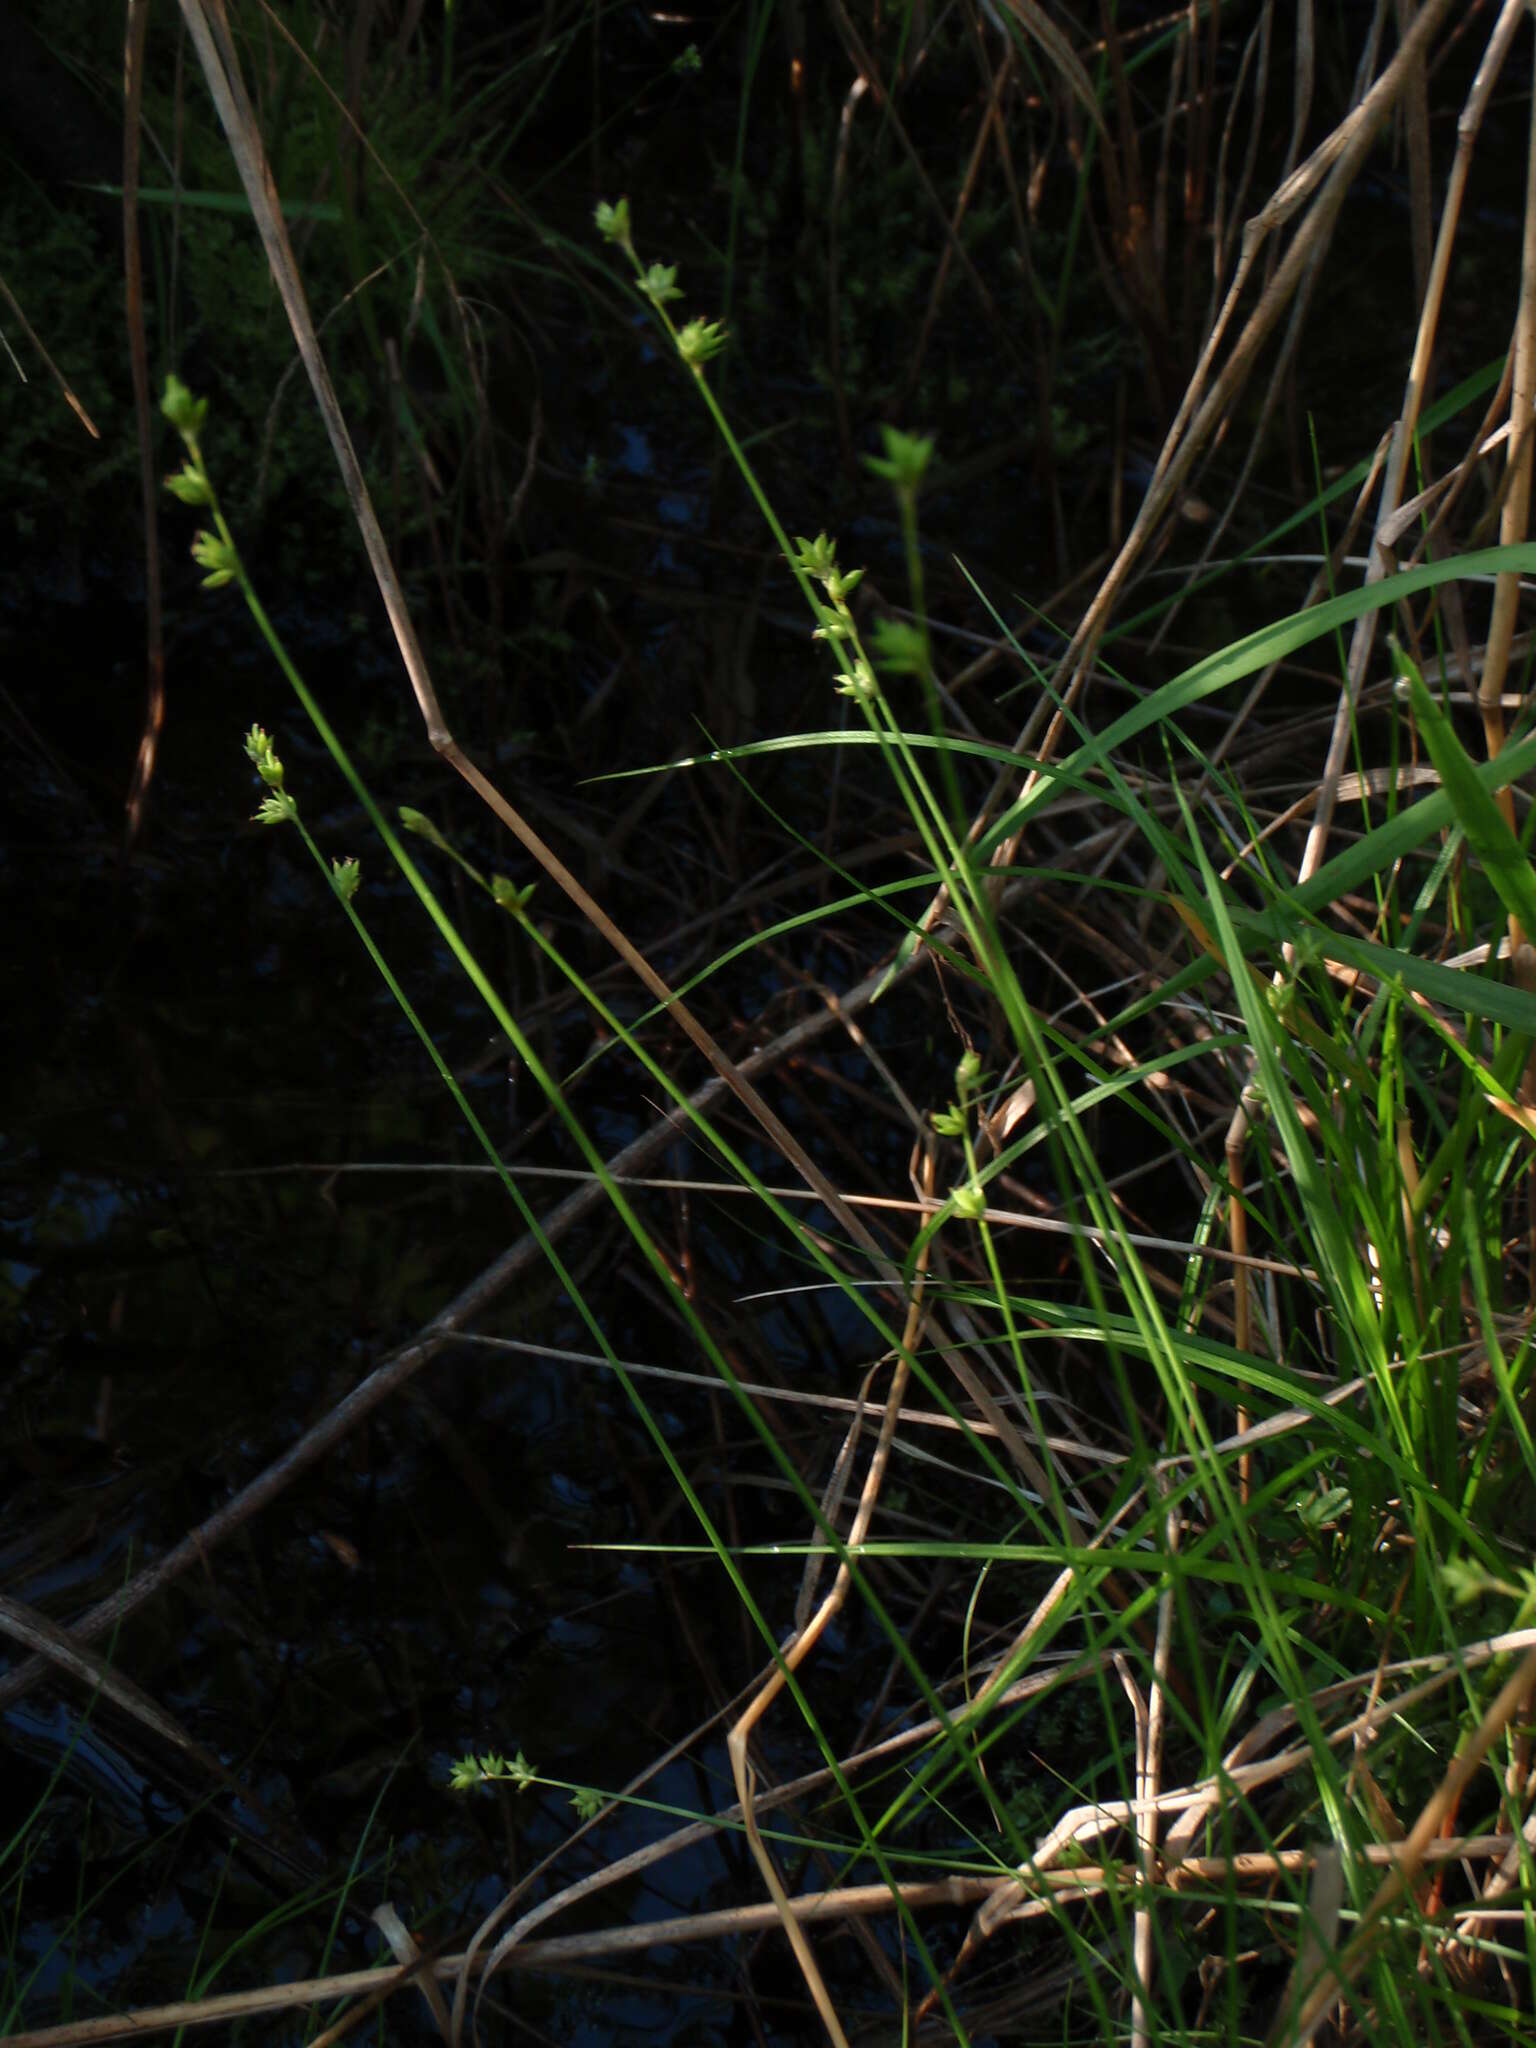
[798,1306]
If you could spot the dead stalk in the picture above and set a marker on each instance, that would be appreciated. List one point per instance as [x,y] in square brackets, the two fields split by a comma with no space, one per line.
[1381,559]
[1514,518]
[1327,173]
[799,1645]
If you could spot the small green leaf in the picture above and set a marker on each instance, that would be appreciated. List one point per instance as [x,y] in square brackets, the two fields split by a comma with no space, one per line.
[905,461]
[259,752]
[900,647]
[185,413]
[817,558]
[1320,1511]
[509,896]
[1467,1581]
[613,223]
[419,823]
[217,556]
[659,284]
[899,963]
[464,1774]
[700,340]
[191,486]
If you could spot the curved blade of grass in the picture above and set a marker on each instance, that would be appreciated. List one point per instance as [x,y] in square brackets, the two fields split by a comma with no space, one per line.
[1256,650]
[1458,989]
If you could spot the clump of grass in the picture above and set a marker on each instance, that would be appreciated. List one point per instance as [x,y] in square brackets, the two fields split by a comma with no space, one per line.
[1208,1531]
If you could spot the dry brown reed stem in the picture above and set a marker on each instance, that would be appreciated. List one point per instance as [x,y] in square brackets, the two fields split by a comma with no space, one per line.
[1323,180]
[1149,1775]
[66,390]
[144,420]
[408,1953]
[991,120]
[1372,782]
[1257,1869]
[1328,173]
[797,1647]
[1277,390]
[497,519]
[1334,1981]
[781,1907]
[1021,1896]
[1039,27]
[1253,1762]
[1510,1873]
[1145,1831]
[1514,518]
[851,100]
[997,1691]
[1235,1149]
[1226,208]
[1430,508]
[1380,559]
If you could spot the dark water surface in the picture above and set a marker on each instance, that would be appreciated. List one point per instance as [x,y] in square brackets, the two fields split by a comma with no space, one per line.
[231,1190]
